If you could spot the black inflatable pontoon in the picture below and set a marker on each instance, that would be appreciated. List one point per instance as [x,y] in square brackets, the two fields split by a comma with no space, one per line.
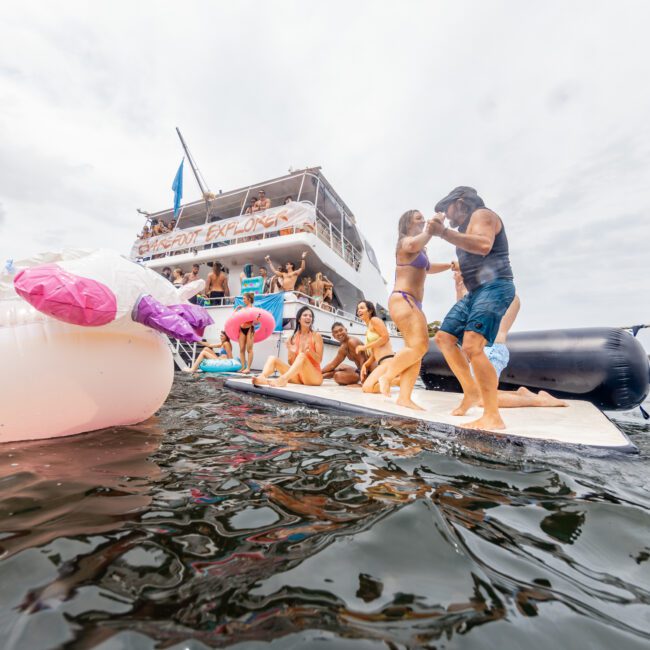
[605,366]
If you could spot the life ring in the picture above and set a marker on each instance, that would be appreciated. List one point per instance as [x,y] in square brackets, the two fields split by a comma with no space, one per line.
[257,315]
[221,365]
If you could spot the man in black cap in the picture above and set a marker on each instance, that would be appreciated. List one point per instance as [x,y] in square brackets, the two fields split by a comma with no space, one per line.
[482,251]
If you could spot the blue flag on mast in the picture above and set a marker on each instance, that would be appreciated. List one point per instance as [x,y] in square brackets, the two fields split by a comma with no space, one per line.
[177,187]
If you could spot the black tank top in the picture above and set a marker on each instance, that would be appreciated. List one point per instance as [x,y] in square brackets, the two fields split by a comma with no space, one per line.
[481,269]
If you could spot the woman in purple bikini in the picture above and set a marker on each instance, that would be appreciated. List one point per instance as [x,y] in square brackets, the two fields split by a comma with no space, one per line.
[405,304]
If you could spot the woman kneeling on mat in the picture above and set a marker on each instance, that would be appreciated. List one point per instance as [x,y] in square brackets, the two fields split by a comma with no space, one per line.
[377,347]
[246,335]
[305,352]
[222,351]
[405,304]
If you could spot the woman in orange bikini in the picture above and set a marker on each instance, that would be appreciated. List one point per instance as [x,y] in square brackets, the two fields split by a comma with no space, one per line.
[305,351]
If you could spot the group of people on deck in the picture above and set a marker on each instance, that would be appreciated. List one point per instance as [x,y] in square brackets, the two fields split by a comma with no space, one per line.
[472,336]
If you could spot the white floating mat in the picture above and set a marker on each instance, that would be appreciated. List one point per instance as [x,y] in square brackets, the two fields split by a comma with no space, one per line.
[580,423]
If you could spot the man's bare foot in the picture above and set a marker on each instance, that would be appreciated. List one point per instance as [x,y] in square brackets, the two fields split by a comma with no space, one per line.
[245,371]
[485,422]
[260,381]
[280,382]
[469,400]
[548,400]
[408,403]
[384,385]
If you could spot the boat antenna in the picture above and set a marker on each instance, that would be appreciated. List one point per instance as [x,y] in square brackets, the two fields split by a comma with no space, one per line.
[203,186]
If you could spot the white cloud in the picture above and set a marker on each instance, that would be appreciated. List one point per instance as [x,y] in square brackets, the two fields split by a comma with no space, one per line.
[542,107]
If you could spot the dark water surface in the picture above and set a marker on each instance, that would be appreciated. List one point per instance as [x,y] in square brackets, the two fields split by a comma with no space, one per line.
[237,521]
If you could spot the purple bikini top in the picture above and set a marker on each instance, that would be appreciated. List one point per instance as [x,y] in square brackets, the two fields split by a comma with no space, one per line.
[420,262]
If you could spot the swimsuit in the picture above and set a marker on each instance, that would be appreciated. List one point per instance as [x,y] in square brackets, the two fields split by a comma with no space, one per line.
[309,358]
[421,261]
[245,330]
[410,298]
[388,356]
[371,337]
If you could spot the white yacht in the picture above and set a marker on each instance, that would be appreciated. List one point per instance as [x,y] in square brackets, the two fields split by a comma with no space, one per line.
[306,214]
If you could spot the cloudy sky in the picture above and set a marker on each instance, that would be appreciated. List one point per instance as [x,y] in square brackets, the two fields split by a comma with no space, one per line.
[544,107]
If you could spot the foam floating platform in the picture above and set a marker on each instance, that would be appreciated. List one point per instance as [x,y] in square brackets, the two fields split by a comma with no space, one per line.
[580,423]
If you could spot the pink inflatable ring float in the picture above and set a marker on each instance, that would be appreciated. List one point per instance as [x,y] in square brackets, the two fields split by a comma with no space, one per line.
[263,321]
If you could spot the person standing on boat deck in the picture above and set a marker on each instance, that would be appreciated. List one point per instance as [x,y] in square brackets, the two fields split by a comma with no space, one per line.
[167,273]
[482,252]
[252,206]
[266,286]
[216,285]
[177,277]
[341,373]
[190,277]
[289,277]
[246,335]
[305,353]
[262,202]
[319,286]
[405,304]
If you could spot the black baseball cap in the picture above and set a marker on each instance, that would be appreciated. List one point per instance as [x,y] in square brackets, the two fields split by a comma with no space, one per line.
[460,192]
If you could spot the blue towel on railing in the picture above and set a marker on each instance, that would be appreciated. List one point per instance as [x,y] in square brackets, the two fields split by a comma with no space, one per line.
[272,302]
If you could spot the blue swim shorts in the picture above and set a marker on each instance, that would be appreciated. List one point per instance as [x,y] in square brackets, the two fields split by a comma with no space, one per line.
[480,310]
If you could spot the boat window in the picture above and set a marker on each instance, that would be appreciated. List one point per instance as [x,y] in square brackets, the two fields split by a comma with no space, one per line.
[371,255]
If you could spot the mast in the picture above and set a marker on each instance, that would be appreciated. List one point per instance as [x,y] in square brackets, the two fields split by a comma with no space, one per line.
[205,191]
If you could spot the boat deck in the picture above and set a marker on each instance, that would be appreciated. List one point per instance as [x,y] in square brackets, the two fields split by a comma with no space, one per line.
[580,423]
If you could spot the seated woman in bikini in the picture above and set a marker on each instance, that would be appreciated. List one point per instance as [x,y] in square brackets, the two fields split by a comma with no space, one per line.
[377,347]
[246,335]
[305,352]
[405,305]
[221,351]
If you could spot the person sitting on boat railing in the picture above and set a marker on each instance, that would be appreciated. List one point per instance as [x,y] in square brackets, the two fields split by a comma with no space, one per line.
[221,351]
[319,287]
[262,202]
[344,374]
[252,206]
[216,284]
[305,354]
[246,335]
[177,277]
[289,273]
[145,234]
[171,225]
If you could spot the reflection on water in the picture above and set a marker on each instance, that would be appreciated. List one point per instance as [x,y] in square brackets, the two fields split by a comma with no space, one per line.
[234,519]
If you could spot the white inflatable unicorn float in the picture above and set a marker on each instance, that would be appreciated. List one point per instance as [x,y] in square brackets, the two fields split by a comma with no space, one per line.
[82,339]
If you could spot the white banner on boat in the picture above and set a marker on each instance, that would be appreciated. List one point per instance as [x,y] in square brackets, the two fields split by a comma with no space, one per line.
[286,216]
